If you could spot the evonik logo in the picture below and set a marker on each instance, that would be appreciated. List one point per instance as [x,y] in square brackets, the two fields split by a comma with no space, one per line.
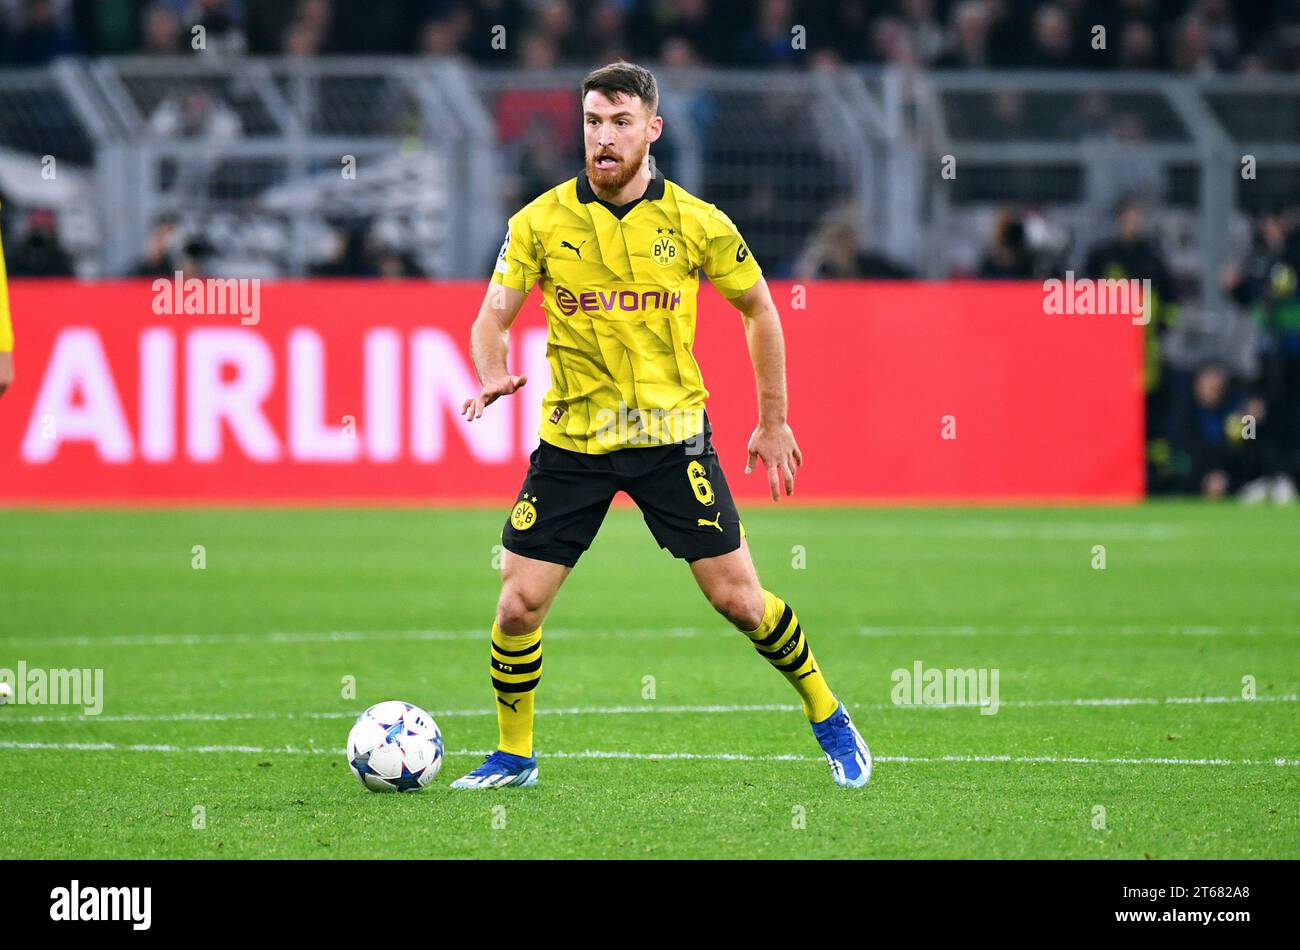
[629,301]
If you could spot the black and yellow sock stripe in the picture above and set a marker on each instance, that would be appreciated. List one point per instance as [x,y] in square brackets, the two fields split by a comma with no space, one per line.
[786,648]
[516,671]
[780,640]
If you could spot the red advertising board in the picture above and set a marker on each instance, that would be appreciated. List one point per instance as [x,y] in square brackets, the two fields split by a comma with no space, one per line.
[349,391]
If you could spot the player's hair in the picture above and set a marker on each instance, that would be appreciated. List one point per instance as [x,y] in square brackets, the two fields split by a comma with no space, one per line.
[624,79]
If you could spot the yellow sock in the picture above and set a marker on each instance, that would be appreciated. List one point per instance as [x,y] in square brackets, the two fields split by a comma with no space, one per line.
[516,671]
[780,640]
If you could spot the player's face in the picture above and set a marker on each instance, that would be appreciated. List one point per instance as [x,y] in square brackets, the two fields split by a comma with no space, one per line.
[617,136]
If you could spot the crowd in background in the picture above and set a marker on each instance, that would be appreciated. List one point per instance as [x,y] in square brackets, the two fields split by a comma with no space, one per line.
[1212,428]
[1186,36]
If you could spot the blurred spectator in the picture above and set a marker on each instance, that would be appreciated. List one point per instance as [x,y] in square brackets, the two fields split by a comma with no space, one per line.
[392,263]
[1010,257]
[222,31]
[1205,438]
[767,43]
[302,38]
[1010,33]
[373,26]
[554,23]
[542,159]
[1221,458]
[363,252]
[1191,48]
[891,44]
[446,35]
[39,253]
[106,27]
[194,115]
[159,258]
[162,31]
[1053,43]
[924,35]
[1131,253]
[1220,32]
[1262,277]
[1137,47]
[266,23]
[1265,283]
[678,52]
[969,37]
[348,258]
[1008,120]
[40,34]
[485,17]
[650,23]
[836,253]
[1199,36]
[196,255]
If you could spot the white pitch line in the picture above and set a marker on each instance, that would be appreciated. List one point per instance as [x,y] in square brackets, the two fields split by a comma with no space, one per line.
[447,713]
[1277,761]
[1074,630]
[1013,531]
[567,633]
[1102,702]
[346,636]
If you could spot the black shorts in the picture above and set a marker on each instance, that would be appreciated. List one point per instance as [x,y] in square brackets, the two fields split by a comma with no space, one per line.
[679,488]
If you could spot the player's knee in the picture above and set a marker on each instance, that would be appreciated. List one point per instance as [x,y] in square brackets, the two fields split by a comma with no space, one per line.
[740,604]
[518,614]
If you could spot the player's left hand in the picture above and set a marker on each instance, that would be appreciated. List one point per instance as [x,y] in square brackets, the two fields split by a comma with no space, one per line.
[780,454]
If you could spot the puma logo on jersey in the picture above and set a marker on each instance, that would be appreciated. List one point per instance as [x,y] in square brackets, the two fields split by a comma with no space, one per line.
[576,250]
[701,522]
[513,707]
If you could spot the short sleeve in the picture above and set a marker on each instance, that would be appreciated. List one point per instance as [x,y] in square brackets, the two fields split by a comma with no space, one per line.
[517,264]
[727,261]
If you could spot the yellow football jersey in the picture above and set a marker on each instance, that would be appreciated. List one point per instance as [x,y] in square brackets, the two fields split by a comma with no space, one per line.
[6,326]
[619,287]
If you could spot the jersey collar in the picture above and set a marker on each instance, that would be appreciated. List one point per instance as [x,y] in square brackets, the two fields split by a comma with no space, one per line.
[654,191]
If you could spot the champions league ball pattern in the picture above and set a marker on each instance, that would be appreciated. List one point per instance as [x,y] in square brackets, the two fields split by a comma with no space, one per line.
[395,747]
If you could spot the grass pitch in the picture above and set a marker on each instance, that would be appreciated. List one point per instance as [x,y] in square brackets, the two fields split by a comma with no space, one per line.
[1122,729]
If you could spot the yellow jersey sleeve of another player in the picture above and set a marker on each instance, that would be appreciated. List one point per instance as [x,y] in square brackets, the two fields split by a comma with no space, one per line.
[518,265]
[727,261]
[6,325]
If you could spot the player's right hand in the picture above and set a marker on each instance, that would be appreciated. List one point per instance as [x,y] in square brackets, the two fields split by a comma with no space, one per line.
[503,386]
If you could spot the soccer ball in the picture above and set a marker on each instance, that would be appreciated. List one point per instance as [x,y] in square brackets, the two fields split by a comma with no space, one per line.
[395,747]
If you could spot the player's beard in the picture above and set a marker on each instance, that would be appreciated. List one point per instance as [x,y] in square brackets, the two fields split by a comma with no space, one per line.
[613,179]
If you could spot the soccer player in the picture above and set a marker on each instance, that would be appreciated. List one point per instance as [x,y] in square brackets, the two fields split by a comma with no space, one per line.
[618,251]
[6,329]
